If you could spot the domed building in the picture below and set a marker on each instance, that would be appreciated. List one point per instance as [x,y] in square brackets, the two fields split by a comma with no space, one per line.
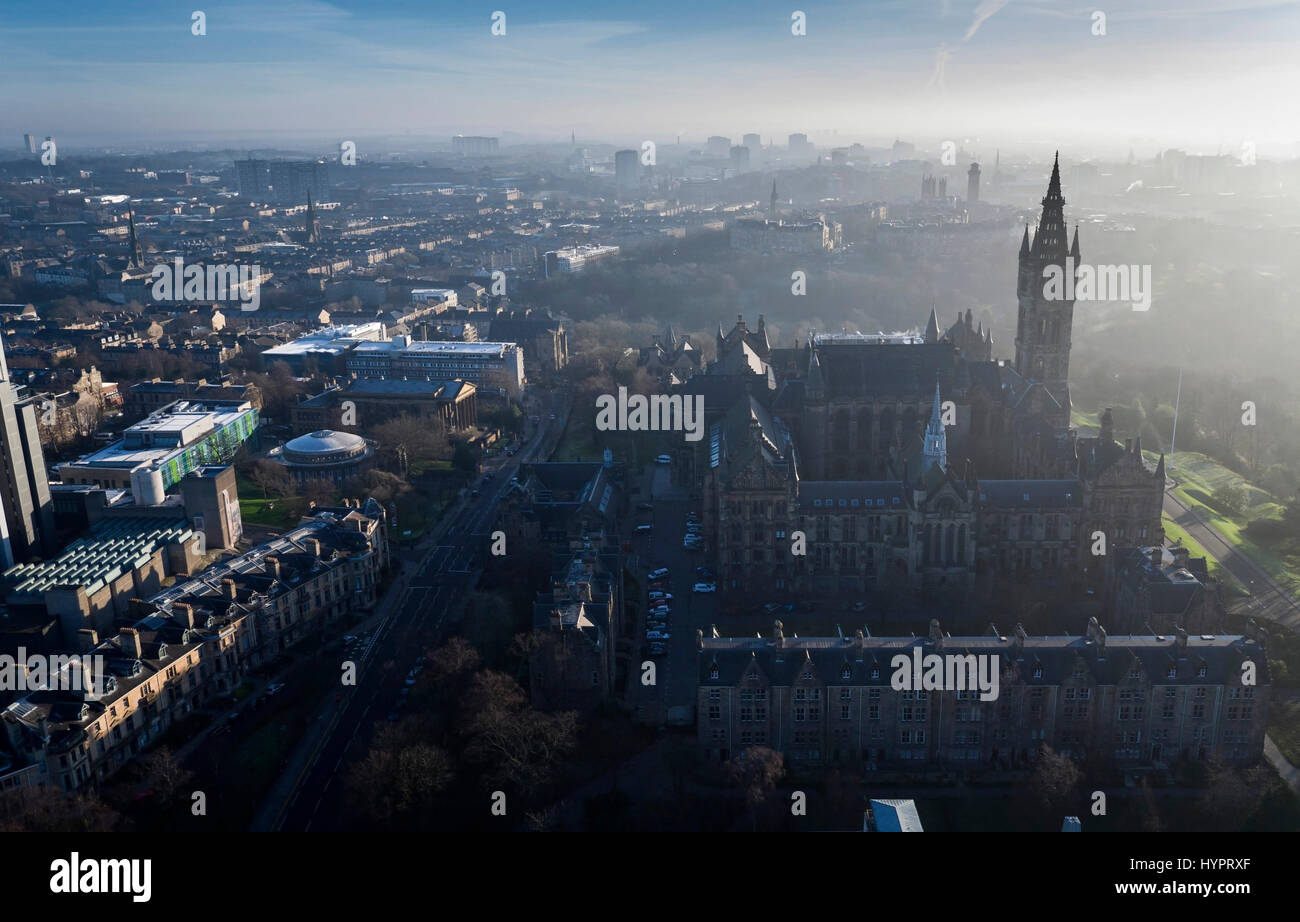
[325,455]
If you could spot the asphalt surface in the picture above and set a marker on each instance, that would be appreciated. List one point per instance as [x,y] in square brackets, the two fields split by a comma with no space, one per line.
[672,697]
[440,577]
[1268,600]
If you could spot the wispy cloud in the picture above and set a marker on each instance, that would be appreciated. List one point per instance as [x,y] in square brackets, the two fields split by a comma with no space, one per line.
[985,11]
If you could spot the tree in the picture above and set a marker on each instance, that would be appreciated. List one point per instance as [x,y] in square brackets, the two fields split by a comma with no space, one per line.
[47,809]
[756,771]
[518,747]
[164,775]
[464,459]
[1052,791]
[271,478]
[409,438]
[1230,497]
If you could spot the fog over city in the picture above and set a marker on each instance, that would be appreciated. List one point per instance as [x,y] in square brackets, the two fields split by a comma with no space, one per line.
[1203,74]
[673,416]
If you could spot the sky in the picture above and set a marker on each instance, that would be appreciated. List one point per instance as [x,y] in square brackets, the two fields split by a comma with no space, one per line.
[1203,75]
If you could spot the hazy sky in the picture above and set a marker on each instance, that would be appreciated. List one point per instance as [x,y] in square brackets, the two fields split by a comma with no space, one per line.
[1199,74]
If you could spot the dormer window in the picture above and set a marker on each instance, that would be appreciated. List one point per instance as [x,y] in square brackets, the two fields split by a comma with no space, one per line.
[1038,671]
[1202,671]
[713,671]
[875,672]
[1172,673]
[845,674]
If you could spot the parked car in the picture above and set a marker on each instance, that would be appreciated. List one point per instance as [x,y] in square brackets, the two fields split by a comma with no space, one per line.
[657,635]
[645,507]
[661,573]
[644,529]
[661,610]
[657,594]
[704,573]
[657,648]
[664,459]
[704,587]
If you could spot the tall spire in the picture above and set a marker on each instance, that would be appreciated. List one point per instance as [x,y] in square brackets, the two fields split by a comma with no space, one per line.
[932,327]
[1050,241]
[771,208]
[311,219]
[1024,243]
[936,437]
[136,259]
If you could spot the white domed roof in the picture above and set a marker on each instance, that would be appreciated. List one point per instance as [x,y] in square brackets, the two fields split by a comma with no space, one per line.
[325,441]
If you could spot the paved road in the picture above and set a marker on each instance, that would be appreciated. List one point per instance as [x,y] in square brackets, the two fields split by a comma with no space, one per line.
[441,577]
[1268,600]
[674,690]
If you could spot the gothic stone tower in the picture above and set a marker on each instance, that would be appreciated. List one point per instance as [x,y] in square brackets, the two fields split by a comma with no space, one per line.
[1044,324]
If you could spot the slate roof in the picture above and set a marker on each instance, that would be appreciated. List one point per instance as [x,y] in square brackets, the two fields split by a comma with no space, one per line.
[835,661]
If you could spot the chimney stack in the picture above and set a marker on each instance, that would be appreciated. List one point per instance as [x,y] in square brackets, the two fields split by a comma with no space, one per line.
[87,640]
[1180,639]
[228,589]
[183,614]
[778,634]
[130,641]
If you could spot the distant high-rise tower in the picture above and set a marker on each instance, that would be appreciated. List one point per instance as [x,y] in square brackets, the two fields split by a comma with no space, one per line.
[755,145]
[30,141]
[740,159]
[1044,325]
[626,178]
[771,207]
[973,183]
[26,513]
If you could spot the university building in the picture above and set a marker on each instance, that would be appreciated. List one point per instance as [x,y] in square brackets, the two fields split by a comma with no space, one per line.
[917,459]
[1136,701]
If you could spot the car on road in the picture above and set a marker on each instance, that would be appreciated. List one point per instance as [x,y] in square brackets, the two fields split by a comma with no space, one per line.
[661,573]
[693,545]
[692,517]
[475,494]
[660,610]
[664,459]
[771,607]
[657,635]
[704,587]
[657,648]
[658,594]
[859,606]
[644,529]
[274,689]
[645,507]
[704,573]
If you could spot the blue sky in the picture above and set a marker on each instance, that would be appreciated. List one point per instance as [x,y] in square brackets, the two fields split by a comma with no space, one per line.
[1200,74]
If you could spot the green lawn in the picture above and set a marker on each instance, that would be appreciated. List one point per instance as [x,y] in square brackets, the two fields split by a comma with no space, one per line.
[272,512]
[1198,477]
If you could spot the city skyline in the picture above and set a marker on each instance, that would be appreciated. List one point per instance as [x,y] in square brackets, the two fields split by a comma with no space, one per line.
[944,70]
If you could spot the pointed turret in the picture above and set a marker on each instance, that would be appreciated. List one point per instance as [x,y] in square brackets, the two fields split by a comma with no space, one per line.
[932,327]
[1024,243]
[1074,247]
[936,437]
[1160,468]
